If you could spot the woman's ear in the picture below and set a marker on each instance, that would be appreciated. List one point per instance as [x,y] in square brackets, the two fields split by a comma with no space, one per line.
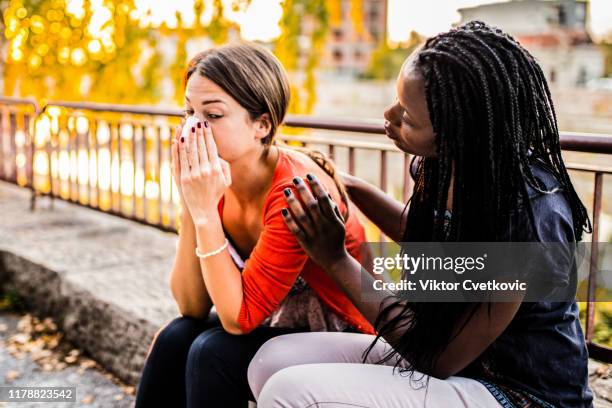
[263,126]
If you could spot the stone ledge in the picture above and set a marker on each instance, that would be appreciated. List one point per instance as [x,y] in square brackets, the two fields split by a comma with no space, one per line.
[102,278]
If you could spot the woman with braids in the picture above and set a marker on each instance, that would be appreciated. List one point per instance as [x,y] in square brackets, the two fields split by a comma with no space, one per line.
[475,107]
[234,249]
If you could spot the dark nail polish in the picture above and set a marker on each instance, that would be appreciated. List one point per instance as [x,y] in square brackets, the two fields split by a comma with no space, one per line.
[287,192]
[199,125]
[192,130]
[182,139]
[206,124]
[309,177]
[285,212]
[296,181]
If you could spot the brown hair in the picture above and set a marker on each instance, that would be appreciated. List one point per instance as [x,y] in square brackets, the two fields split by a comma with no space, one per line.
[255,78]
[251,75]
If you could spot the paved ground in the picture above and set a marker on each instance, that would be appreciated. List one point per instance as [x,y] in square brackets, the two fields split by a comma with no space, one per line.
[31,355]
[104,279]
[600,380]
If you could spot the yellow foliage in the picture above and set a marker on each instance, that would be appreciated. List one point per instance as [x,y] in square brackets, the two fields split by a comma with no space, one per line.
[335,12]
[72,50]
[357,16]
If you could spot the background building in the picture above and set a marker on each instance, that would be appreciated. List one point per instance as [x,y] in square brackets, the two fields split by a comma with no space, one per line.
[348,48]
[554,31]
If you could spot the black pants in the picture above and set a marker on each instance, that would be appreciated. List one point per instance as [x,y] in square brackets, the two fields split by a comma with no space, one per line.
[195,363]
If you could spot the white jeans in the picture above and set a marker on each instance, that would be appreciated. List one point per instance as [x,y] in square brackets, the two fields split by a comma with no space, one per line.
[324,369]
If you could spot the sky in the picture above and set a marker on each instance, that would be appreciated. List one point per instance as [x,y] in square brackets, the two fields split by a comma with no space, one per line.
[438,16]
[260,21]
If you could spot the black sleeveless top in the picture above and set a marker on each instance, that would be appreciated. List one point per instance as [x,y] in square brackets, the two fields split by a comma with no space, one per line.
[542,352]
[541,358]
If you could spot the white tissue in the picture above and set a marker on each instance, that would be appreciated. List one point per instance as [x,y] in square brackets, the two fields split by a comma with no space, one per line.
[190,122]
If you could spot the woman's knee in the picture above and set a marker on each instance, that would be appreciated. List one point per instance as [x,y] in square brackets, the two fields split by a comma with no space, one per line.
[304,348]
[285,388]
[177,335]
[271,357]
[206,351]
[167,357]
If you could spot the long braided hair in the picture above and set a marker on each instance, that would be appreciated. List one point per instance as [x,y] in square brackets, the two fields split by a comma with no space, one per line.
[492,116]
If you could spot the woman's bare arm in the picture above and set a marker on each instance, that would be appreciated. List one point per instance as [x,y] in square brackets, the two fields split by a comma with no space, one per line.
[383,210]
[186,281]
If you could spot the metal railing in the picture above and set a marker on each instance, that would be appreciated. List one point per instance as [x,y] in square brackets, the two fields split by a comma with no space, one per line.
[134,141]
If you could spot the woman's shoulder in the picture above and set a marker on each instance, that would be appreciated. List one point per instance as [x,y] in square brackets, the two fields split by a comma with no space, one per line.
[551,209]
[292,163]
[288,166]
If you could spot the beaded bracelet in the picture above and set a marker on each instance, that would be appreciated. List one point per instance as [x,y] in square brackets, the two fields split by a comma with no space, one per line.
[215,252]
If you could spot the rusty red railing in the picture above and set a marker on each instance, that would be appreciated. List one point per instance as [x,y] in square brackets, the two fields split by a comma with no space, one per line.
[149,128]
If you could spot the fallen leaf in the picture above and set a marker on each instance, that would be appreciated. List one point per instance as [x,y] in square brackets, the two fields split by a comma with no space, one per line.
[20,338]
[87,363]
[12,375]
[71,359]
[50,325]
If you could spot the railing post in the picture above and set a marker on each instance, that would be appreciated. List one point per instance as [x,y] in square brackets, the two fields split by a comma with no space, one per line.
[408,184]
[590,322]
[331,152]
[88,155]
[32,152]
[134,171]
[13,146]
[383,187]
[351,161]
[96,145]
[143,152]
[117,137]
[158,174]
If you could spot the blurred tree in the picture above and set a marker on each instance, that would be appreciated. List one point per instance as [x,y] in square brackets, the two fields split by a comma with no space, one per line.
[70,50]
[105,50]
[304,28]
[73,50]
[95,50]
[3,40]
[606,46]
[216,30]
[386,61]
